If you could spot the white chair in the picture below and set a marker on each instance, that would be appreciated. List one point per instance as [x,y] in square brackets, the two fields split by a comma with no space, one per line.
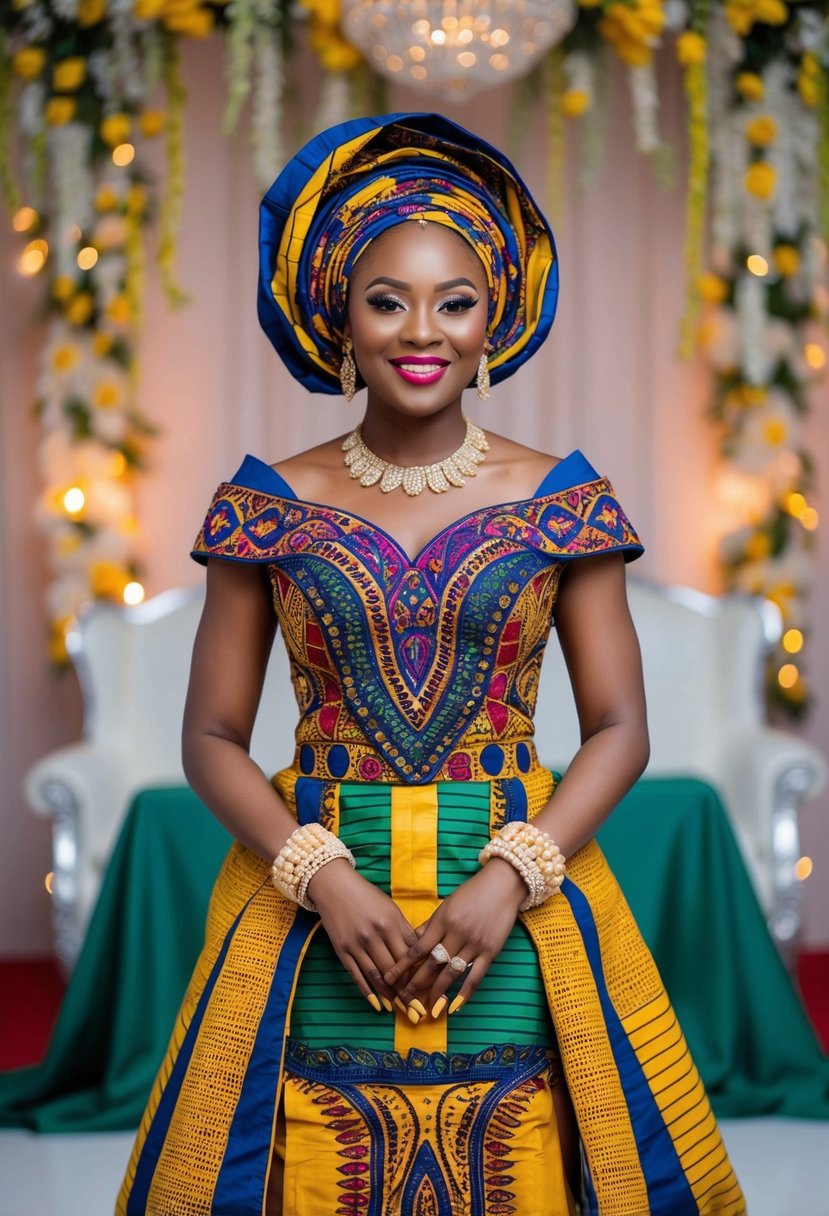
[702,658]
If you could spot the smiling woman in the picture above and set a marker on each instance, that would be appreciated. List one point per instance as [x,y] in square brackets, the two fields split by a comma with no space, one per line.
[409,1003]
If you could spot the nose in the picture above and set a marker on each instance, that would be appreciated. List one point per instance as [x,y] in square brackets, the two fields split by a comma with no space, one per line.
[420,326]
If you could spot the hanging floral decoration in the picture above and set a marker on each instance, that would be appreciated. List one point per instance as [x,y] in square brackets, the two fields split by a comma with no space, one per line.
[89,83]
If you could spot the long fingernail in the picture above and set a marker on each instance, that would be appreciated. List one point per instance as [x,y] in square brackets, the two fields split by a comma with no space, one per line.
[374,1001]
[387,1005]
[439,1006]
[456,1004]
[400,1005]
[413,1016]
[418,1007]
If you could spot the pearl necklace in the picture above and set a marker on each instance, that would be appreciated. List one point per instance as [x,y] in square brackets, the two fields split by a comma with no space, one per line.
[365,466]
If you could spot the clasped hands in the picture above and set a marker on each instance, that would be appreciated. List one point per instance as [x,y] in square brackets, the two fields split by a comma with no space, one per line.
[393,961]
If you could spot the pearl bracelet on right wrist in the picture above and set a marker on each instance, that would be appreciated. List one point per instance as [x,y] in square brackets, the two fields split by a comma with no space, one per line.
[535,856]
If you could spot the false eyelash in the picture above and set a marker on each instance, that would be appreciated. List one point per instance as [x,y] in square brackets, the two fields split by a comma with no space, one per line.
[466,302]
[377,301]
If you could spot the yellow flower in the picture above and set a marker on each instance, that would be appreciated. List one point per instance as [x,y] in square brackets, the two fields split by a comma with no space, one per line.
[106,395]
[707,333]
[57,641]
[106,199]
[80,309]
[65,357]
[809,91]
[119,311]
[69,74]
[108,579]
[712,288]
[760,179]
[62,287]
[574,102]
[809,66]
[90,12]
[690,48]
[761,130]
[327,11]
[195,22]
[147,10]
[102,344]
[771,12]
[758,546]
[28,62]
[151,122]
[337,55]
[753,394]
[775,432]
[750,86]
[68,543]
[136,200]
[633,29]
[786,260]
[59,111]
[115,129]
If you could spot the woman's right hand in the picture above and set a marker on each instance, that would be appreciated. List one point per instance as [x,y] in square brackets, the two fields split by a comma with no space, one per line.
[368,931]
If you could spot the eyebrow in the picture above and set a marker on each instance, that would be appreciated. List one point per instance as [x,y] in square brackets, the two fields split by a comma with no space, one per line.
[401,286]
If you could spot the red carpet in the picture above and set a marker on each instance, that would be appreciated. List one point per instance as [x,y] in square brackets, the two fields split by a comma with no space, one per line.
[31,991]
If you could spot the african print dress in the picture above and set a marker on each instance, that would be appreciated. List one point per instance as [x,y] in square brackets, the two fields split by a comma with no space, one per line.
[416,681]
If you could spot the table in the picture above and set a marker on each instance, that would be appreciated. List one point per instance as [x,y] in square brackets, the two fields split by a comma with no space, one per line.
[669,842]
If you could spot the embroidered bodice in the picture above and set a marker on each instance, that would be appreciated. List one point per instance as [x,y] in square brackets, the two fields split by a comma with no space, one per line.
[424,668]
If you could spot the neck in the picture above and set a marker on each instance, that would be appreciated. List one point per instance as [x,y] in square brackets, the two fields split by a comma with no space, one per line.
[405,440]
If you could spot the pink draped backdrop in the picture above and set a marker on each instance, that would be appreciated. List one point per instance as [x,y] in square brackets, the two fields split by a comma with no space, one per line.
[608,381]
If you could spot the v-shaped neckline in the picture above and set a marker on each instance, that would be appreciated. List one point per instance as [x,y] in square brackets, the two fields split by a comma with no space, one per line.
[412,563]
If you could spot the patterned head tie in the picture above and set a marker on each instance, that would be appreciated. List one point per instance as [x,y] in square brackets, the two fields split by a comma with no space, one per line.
[355,181]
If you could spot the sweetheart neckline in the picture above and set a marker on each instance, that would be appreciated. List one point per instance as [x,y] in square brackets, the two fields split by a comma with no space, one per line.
[413,563]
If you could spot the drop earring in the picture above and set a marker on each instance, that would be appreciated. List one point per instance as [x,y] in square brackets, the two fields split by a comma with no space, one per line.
[482,379]
[348,371]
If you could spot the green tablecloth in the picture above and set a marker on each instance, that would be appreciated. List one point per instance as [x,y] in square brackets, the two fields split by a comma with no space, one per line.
[669,842]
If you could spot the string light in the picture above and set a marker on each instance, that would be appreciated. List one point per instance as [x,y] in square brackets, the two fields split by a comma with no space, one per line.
[815,355]
[33,258]
[74,500]
[795,504]
[792,641]
[809,518]
[803,868]
[25,219]
[49,881]
[757,264]
[788,675]
[87,257]
[133,593]
[123,154]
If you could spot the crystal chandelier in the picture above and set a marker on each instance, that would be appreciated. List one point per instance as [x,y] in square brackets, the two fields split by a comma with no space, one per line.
[455,47]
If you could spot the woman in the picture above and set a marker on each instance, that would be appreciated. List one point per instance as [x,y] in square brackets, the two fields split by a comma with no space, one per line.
[407,1004]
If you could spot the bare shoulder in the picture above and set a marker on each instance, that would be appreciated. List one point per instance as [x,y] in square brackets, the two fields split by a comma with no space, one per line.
[517,464]
[309,473]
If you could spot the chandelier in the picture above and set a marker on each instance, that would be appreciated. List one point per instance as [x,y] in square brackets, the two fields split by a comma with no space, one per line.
[455,47]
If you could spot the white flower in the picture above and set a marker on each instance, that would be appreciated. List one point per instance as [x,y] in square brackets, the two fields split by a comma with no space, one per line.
[723,344]
[110,426]
[67,595]
[766,431]
[645,96]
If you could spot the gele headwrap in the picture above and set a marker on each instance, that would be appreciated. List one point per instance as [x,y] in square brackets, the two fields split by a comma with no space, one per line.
[357,179]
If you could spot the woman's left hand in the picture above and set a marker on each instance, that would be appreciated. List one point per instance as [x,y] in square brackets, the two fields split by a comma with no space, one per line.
[471,924]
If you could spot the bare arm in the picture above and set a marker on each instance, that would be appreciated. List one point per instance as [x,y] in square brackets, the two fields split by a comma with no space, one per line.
[230,657]
[604,662]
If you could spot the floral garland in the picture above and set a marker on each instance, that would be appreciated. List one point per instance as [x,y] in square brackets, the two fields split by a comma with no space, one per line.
[79,79]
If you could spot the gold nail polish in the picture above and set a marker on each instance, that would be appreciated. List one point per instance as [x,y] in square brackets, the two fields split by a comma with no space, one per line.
[413,1016]
[374,1001]
[418,1007]
[400,1005]
[439,1006]
[456,1004]
[387,1005]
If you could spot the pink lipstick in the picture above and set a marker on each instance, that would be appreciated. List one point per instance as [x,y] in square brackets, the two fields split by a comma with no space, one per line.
[420,369]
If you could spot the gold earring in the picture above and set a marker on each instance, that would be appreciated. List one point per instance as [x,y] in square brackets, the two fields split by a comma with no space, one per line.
[348,371]
[482,379]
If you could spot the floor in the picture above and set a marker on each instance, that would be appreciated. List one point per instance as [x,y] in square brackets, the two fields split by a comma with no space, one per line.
[783,1165]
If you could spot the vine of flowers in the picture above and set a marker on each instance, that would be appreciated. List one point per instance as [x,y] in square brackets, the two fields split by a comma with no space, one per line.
[88,84]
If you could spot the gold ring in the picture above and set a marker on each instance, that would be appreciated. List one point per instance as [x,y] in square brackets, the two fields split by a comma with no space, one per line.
[440,954]
[458,964]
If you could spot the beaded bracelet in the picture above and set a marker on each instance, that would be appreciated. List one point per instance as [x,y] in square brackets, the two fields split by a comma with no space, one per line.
[535,856]
[304,853]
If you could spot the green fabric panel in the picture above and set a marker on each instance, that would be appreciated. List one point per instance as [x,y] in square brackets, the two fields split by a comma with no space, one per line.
[509,1006]
[669,843]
